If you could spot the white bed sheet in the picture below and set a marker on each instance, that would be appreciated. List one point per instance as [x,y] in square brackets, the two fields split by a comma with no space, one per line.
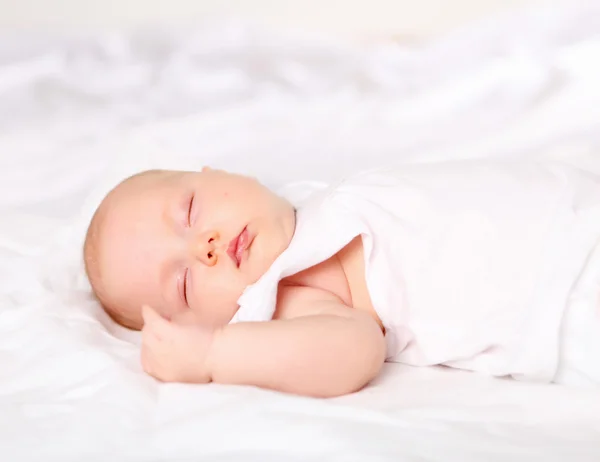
[79,113]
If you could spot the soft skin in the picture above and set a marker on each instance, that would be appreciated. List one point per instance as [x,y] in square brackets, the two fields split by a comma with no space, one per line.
[170,253]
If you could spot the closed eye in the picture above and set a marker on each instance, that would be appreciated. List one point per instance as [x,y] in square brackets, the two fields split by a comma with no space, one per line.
[186,284]
[190,207]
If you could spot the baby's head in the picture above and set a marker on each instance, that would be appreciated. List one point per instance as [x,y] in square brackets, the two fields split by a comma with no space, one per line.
[182,241]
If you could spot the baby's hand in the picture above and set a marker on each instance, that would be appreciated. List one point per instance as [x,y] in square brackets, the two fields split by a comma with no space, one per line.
[175,351]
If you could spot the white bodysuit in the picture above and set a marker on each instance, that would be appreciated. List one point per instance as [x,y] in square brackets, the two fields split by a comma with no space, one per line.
[469,264]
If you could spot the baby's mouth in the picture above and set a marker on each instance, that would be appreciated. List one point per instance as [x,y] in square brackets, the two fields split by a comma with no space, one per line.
[237,247]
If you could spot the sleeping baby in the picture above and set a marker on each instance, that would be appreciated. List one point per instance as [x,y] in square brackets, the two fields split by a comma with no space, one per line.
[482,265]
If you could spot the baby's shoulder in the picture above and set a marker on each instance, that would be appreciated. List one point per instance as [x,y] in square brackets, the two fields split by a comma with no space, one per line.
[294,301]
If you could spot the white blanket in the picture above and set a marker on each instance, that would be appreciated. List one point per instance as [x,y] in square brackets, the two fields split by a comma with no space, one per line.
[79,113]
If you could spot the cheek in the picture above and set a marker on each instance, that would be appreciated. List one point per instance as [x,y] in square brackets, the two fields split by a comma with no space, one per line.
[265,250]
[216,298]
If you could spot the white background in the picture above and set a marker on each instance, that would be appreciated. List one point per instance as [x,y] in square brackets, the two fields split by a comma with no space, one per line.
[363,18]
[79,113]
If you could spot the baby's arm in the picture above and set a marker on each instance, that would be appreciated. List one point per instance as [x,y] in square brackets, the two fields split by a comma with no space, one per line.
[329,351]
[317,346]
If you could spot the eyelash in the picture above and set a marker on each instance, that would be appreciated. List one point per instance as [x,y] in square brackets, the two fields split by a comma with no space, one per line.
[185,285]
[187,271]
[190,205]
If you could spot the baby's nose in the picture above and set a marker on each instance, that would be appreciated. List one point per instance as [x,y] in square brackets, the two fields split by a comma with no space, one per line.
[204,247]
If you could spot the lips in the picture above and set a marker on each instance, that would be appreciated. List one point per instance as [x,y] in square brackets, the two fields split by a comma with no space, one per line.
[237,247]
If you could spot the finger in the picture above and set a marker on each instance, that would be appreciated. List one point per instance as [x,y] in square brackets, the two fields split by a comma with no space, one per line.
[146,361]
[156,324]
[184,318]
[150,364]
[148,335]
[154,368]
[149,315]
[149,340]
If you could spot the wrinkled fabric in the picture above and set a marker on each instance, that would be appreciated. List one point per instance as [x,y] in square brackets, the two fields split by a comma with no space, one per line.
[469,264]
[78,113]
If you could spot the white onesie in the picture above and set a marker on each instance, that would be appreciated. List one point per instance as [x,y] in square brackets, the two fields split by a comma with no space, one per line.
[469,264]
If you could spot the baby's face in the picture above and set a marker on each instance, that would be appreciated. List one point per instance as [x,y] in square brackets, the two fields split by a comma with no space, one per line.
[182,241]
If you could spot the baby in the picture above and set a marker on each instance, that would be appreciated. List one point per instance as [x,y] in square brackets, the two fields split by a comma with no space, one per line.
[488,266]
